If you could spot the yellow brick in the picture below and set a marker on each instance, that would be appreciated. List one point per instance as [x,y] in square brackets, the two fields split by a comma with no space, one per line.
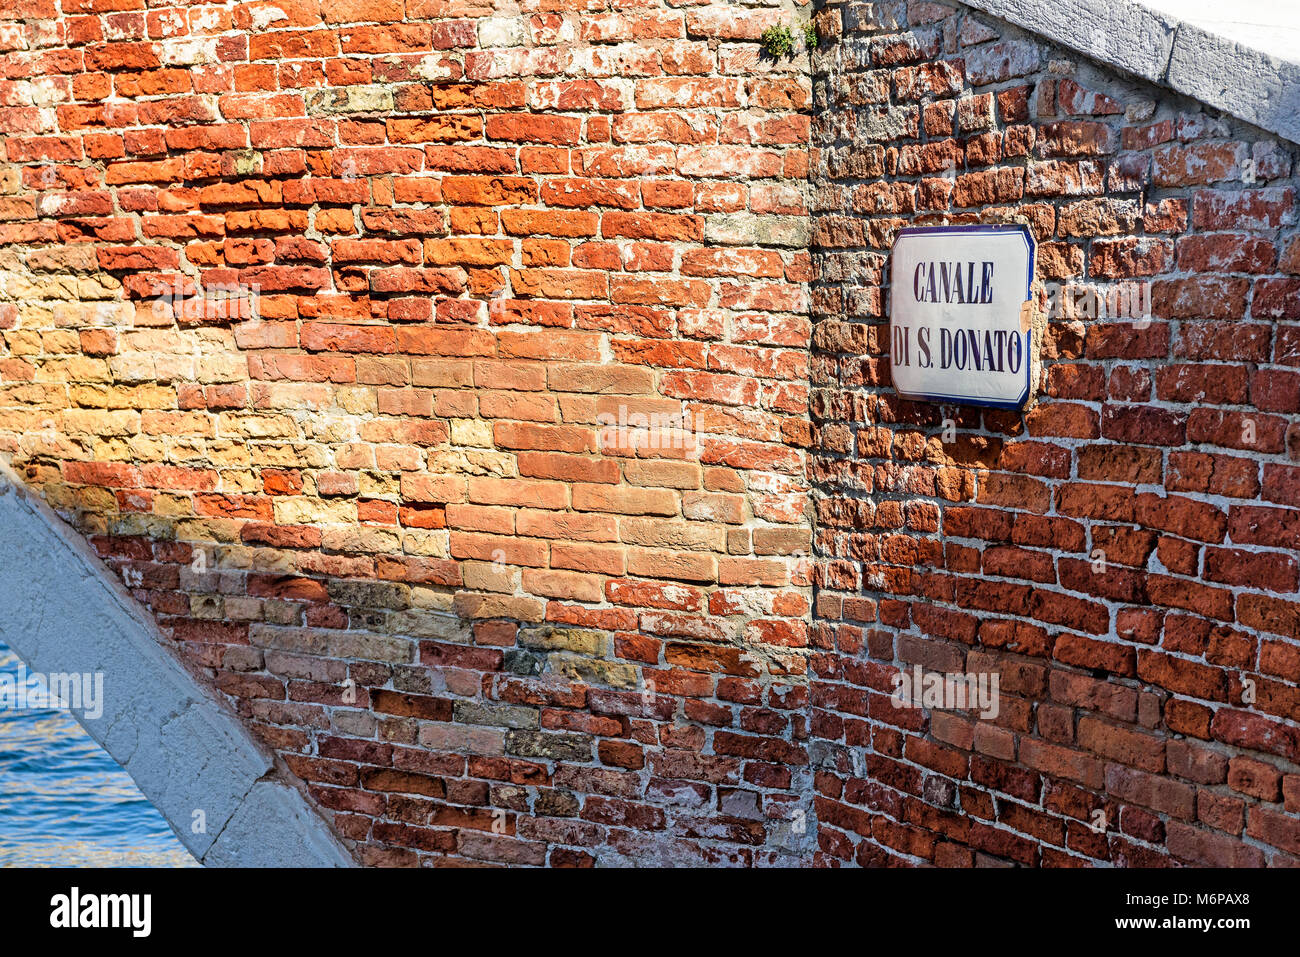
[98,499]
[289,395]
[75,369]
[155,341]
[61,497]
[430,543]
[222,369]
[356,400]
[64,341]
[240,482]
[300,510]
[24,342]
[93,422]
[580,640]
[471,432]
[333,430]
[174,422]
[174,449]
[133,367]
[208,530]
[436,599]
[485,576]
[34,396]
[288,456]
[378,485]
[210,607]
[257,426]
[470,462]
[123,397]
[48,444]
[91,523]
[172,506]
[137,448]
[362,538]
[264,560]
[612,673]
[105,314]
[223,452]
[470,604]
[170,368]
[27,286]
[130,524]
[99,286]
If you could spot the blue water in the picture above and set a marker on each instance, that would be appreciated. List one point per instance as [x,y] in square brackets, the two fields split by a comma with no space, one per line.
[65,803]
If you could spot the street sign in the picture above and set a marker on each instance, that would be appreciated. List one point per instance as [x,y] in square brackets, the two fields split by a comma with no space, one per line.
[958,314]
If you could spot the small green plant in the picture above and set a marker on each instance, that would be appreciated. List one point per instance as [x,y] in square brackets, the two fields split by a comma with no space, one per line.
[778,41]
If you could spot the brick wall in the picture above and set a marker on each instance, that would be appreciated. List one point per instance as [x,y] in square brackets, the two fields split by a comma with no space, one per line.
[1122,554]
[435,371]
[438,374]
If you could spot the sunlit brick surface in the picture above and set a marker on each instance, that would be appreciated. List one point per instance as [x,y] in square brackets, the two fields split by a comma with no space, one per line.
[477,623]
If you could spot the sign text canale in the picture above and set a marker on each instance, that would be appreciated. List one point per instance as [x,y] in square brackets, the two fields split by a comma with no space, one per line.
[958,332]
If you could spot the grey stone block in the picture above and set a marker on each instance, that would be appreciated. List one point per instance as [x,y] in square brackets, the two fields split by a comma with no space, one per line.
[1254,86]
[1220,72]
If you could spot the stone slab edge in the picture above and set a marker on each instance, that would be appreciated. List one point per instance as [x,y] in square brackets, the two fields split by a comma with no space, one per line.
[1261,89]
[62,611]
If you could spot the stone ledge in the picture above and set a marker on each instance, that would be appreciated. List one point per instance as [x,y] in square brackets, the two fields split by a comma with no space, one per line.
[1251,85]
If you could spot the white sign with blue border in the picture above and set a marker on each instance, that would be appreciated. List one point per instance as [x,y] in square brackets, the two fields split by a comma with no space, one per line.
[958,318]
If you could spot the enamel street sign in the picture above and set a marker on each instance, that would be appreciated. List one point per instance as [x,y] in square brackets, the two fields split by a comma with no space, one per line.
[958,317]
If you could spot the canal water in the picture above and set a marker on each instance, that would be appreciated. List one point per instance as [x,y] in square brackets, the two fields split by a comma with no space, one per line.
[65,803]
